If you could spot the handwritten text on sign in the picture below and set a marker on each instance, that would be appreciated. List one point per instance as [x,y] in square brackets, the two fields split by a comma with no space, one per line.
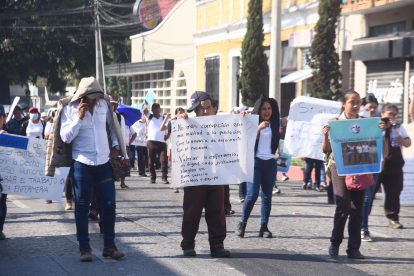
[22,164]
[213,150]
[307,116]
[407,194]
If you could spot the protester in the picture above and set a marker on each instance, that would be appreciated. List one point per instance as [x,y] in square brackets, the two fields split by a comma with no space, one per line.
[14,126]
[3,197]
[121,169]
[348,203]
[34,127]
[87,117]
[156,144]
[209,197]
[370,105]
[391,176]
[138,142]
[310,164]
[267,142]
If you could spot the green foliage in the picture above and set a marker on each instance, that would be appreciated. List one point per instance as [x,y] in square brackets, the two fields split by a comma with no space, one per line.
[323,56]
[254,78]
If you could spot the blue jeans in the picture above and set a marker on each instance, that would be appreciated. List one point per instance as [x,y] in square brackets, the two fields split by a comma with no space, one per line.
[366,208]
[310,164]
[264,178]
[100,178]
[323,174]
[242,190]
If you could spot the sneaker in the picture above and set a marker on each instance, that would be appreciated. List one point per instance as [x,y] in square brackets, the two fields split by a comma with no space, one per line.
[304,186]
[189,252]
[355,254]
[334,251]
[2,236]
[395,224]
[229,213]
[365,236]
[124,186]
[112,252]
[68,205]
[49,201]
[220,253]
[165,181]
[317,189]
[276,191]
[176,190]
[309,186]
[241,200]
[85,255]
[285,178]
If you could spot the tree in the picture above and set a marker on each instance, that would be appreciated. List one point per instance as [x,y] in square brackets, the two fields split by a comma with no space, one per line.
[254,78]
[323,56]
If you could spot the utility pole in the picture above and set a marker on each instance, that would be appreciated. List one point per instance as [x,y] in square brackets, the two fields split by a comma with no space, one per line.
[99,64]
[275,51]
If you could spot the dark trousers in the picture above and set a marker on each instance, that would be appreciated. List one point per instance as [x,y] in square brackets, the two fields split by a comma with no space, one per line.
[68,188]
[227,204]
[3,210]
[392,182]
[310,164]
[210,198]
[154,148]
[348,204]
[142,159]
[242,190]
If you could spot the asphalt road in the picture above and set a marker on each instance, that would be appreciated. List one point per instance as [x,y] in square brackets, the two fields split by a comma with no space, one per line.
[42,241]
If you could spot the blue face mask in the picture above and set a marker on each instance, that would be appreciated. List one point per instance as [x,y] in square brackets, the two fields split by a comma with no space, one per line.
[34,116]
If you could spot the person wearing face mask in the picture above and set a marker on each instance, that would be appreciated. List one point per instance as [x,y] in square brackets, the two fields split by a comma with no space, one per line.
[34,127]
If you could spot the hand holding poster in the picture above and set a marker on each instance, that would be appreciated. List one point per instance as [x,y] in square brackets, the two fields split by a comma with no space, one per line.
[356,145]
[22,163]
[213,150]
[307,116]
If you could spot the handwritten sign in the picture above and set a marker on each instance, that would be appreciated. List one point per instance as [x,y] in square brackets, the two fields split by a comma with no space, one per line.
[307,116]
[213,150]
[356,145]
[22,163]
[407,194]
[284,160]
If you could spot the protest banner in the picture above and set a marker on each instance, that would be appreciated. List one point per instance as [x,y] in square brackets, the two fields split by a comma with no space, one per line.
[356,145]
[22,168]
[307,116]
[213,150]
[407,194]
[284,160]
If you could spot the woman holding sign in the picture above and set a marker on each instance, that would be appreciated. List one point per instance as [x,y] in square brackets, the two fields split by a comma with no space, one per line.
[267,142]
[348,203]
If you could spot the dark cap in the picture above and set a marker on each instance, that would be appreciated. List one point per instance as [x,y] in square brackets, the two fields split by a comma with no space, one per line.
[196,98]
[33,110]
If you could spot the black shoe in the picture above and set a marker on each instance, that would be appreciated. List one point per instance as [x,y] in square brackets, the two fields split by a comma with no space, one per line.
[165,181]
[189,252]
[143,175]
[220,253]
[241,228]
[334,251]
[355,254]
[152,181]
[93,215]
[229,213]
[264,232]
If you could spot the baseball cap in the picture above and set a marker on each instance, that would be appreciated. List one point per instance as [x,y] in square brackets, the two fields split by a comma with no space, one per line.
[33,110]
[196,98]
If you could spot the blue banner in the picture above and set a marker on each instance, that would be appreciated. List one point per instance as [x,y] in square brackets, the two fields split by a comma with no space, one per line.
[13,141]
[284,160]
[356,145]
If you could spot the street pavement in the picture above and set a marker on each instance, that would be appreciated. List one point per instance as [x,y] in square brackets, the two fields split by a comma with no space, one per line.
[41,238]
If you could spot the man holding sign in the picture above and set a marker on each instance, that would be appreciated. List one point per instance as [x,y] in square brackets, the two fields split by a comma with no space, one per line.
[208,197]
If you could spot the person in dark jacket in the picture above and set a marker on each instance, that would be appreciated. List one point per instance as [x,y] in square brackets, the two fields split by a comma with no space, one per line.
[3,197]
[267,142]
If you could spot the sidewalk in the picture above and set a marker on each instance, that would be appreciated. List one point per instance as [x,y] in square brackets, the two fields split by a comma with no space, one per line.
[41,238]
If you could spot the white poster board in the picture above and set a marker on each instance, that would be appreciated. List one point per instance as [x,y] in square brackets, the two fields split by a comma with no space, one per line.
[22,168]
[306,118]
[407,194]
[213,150]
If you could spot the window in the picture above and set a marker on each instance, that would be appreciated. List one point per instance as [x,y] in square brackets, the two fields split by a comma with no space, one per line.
[392,28]
[288,57]
[212,67]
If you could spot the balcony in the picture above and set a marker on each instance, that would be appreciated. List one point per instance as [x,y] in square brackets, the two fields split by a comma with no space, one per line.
[360,6]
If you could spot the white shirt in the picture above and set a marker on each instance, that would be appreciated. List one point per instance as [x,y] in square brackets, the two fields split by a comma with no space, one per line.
[154,132]
[140,129]
[34,130]
[264,147]
[395,132]
[88,136]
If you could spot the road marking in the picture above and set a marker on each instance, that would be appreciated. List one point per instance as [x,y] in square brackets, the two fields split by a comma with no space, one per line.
[19,204]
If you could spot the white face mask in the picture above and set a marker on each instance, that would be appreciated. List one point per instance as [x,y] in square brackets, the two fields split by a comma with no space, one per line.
[34,116]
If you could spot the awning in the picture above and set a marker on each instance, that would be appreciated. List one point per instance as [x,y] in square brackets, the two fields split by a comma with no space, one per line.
[296,76]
